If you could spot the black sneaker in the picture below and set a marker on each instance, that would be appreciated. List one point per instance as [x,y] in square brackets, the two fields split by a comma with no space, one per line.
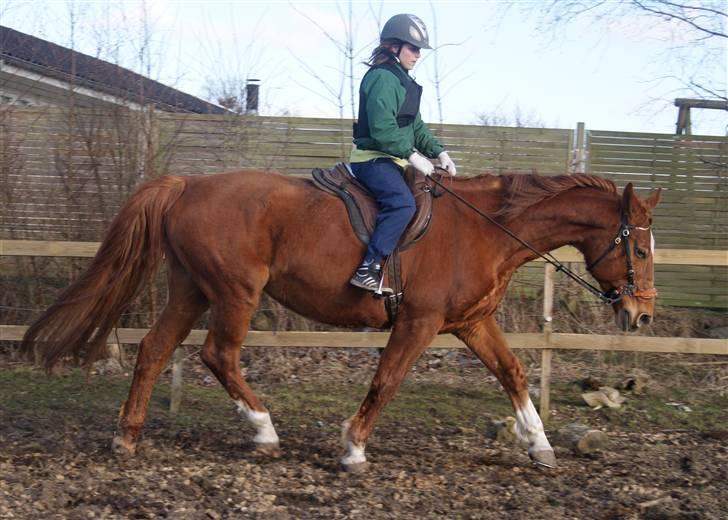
[368,276]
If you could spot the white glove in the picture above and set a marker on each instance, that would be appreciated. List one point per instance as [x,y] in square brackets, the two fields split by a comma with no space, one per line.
[422,163]
[447,164]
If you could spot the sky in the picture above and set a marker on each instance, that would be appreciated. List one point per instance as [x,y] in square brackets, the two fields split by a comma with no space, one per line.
[495,59]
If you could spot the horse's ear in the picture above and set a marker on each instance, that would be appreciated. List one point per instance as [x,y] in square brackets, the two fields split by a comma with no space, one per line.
[653,200]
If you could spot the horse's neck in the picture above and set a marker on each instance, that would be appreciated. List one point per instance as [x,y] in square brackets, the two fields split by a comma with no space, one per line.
[566,219]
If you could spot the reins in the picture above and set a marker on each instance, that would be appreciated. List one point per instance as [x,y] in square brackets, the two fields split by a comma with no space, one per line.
[610,296]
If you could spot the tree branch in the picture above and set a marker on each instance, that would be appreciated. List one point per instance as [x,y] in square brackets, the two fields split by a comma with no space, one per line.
[682,18]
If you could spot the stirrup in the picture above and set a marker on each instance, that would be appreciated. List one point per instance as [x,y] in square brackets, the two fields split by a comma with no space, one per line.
[382,291]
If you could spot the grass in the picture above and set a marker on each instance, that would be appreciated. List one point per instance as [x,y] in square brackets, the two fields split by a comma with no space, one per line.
[649,411]
[28,395]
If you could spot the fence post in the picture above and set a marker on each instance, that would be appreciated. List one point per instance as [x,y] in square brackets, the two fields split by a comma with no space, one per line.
[579,152]
[175,391]
[548,305]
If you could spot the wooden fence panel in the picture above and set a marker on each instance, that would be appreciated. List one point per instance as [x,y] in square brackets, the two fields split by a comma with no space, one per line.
[64,174]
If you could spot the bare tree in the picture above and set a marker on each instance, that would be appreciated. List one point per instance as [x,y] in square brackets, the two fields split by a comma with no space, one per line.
[439,75]
[694,31]
[335,90]
[234,63]
[349,53]
[518,119]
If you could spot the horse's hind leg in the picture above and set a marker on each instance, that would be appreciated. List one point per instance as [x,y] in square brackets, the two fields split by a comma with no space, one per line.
[229,322]
[409,338]
[487,342]
[186,304]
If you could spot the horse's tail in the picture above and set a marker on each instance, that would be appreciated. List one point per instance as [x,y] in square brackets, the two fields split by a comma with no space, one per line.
[80,320]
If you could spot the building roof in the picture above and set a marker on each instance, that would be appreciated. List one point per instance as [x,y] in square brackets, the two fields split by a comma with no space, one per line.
[48,59]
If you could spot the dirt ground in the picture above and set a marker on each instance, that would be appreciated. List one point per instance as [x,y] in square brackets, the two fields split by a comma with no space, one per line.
[432,454]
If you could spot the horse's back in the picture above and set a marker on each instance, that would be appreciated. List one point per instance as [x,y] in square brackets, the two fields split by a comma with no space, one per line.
[244,184]
[255,202]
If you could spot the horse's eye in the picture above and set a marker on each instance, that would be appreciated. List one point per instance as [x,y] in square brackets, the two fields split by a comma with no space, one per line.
[641,253]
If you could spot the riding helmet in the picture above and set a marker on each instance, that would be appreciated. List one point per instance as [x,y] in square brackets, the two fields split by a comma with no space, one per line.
[407,28]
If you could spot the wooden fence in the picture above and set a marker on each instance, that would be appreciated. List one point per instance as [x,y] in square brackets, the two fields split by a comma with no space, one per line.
[64,174]
[546,341]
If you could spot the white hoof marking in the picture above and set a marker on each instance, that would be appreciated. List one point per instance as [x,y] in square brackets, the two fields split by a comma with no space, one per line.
[266,433]
[354,452]
[529,428]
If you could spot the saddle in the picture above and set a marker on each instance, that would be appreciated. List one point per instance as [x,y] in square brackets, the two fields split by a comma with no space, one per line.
[362,208]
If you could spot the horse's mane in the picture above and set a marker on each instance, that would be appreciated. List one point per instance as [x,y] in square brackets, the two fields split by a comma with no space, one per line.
[521,191]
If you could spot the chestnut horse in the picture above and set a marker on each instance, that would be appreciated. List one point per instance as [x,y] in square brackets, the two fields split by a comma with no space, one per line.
[227,238]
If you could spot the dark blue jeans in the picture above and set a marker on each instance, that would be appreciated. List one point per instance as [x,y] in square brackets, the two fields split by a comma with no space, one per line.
[383,178]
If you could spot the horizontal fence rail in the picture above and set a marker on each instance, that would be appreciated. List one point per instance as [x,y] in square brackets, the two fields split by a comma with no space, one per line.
[564,254]
[527,340]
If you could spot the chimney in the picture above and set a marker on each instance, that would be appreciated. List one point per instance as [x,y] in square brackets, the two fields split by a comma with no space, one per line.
[252,89]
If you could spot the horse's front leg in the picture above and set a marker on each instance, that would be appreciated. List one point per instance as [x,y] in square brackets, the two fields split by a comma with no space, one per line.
[409,338]
[486,341]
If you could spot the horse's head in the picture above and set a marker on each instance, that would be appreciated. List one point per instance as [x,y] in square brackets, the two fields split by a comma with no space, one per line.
[621,258]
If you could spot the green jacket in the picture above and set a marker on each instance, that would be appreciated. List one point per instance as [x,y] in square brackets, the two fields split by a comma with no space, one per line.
[384,96]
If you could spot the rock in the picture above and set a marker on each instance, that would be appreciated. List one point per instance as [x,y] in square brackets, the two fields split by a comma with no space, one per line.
[109,366]
[580,438]
[635,382]
[114,351]
[680,406]
[589,383]
[504,431]
[605,396]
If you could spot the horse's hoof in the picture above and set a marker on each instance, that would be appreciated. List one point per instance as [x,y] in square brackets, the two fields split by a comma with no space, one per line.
[543,458]
[269,449]
[122,448]
[356,468]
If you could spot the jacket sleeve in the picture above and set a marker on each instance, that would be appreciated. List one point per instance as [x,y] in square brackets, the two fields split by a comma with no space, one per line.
[425,142]
[384,97]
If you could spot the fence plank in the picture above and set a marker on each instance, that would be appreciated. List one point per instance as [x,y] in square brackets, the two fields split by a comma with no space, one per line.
[379,339]
[47,248]
[640,344]
[563,254]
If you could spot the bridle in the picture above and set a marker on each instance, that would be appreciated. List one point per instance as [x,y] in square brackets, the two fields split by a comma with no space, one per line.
[615,294]
[610,296]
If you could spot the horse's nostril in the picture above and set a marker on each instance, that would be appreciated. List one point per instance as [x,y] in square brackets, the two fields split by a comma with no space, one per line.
[645,319]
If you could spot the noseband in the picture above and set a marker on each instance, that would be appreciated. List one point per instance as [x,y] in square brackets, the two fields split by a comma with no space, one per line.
[609,296]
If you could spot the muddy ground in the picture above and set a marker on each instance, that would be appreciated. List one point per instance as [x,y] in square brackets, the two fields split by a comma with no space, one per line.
[432,454]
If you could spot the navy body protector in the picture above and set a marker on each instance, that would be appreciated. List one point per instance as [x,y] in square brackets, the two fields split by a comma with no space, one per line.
[407,112]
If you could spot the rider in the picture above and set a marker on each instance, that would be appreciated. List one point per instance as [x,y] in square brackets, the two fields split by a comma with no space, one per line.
[389,135]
